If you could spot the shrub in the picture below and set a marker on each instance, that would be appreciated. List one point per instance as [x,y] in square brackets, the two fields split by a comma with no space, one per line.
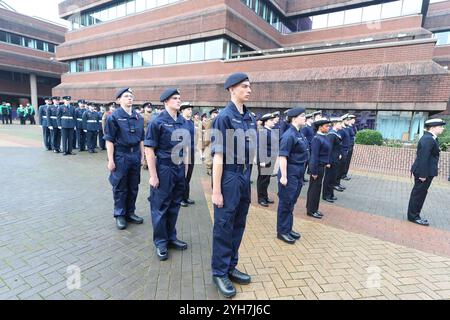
[393,144]
[369,137]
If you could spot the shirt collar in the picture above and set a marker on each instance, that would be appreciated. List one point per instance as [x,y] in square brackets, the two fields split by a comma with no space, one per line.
[232,107]
[168,118]
[320,133]
[125,114]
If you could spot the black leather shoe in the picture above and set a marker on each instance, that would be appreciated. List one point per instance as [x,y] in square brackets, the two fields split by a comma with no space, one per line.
[239,277]
[56,151]
[263,203]
[342,187]
[314,215]
[121,223]
[329,200]
[333,198]
[422,222]
[319,213]
[286,238]
[295,235]
[190,202]
[346,178]
[226,288]
[184,204]
[134,219]
[178,244]
[269,201]
[338,189]
[162,254]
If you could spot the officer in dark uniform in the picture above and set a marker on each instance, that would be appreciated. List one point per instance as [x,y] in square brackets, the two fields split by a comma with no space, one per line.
[81,134]
[344,133]
[293,155]
[67,121]
[91,123]
[44,123]
[165,157]
[308,133]
[231,183]
[186,111]
[284,123]
[335,140]
[55,132]
[101,141]
[268,140]
[320,159]
[352,133]
[124,135]
[425,168]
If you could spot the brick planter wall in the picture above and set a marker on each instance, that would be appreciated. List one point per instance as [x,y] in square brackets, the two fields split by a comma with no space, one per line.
[397,161]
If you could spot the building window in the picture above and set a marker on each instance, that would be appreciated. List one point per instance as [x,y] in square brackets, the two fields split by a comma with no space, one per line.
[137,59]
[110,62]
[411,7]
[147,58]
[15,39]
[183,53]
[198,51]
[80,65]
[336,19]
[443,38]
[118,61]
[3,35]
[73,66]
[371,13]
[170,55]
[391,9]
[214,49]
[158,56]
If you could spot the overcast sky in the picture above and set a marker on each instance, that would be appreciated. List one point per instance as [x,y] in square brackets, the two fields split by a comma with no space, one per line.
[46,9]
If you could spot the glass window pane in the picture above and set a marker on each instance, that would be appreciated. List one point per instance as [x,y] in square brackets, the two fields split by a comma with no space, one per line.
[443,38]
[15,39]
[371,13]
[118,61]
[391,9]
[131,7]
[101,63]
[73,66]
[161,2]
[80,65]
[127,60]
[214,49]
[198,51]
[110,62]
[170,55]
[121,10]
[51,47]
[320,21]
[336,19]
[158,56]
[184,53]
[2,36]
[137,59]
[151,4]
[147,58]
[39,45]
[87,64]
[140,5]
[94,65]
[112,12]
[411,7]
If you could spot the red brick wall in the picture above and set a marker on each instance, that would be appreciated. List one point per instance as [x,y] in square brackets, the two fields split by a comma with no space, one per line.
[396,161]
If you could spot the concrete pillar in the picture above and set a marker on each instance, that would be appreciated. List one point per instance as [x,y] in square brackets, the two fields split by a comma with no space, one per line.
[34,94]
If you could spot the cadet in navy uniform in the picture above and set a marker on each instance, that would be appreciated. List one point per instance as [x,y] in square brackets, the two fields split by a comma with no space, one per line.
[55,132]
[320,159]
[91,123]
[352,132]
[66,122]
[344,133]
[81,134]
[293,155]
[231,183]
[329,180]
[166,165]
[44,123]
[124,136]
[308,133]
[284,123]
[101,141]
[425,168]
[265,158]
[186,110]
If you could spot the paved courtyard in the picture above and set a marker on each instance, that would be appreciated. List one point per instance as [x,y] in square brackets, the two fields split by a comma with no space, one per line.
[56,217]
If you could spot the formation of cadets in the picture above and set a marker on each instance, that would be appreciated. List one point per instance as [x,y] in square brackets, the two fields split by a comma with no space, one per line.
[231,141]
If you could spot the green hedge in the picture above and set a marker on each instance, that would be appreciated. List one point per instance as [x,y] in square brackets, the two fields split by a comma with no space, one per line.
[444,139]
[369,137]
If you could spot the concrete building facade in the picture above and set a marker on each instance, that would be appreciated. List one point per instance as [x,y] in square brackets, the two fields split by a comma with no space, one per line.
[385,61]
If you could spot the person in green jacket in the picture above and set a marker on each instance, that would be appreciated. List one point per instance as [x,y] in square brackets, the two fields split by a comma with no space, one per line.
[22,113]
[31,113]
[9,112]
[4,112]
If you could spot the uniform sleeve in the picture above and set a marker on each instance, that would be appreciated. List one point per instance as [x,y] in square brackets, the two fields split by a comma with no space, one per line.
[58,117]
[84,122]
[49,115]
[152,136]
[423,157]
[219,136]
[111,129]
[286,145]
[315,151]
[143,131]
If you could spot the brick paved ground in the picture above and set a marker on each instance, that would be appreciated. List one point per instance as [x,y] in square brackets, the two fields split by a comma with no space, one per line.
[56,212]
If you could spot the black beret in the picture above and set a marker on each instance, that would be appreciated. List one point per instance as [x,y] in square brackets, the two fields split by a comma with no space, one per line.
[268,116]
[67,98]
[321,122]
[204,115]
[235,79]
[434,123]
[168,93]
[215,110]
[147,104]
[295,112]
[121,91]
[185,105]
[197,113]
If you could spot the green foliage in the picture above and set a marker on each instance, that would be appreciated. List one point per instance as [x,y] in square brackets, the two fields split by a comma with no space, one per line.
[444,139]
[393,144]
[369,137]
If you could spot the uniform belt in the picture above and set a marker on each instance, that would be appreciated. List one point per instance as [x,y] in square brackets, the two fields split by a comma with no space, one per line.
[44,117]
[92,121]
[236,167]
[67,118]
[127,149]
[54,117]
[79,119]
[168,162]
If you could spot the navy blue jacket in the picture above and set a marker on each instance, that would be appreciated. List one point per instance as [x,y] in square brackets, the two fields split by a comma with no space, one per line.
[351,134]
[52,116]
[320,153]
[309,133]
[124,130]
[265,146]
[43,115]
[336,146]
[190,126]
[427,160]
[91,121]
[66,117]
[79,114]
[294,146]
[345,141]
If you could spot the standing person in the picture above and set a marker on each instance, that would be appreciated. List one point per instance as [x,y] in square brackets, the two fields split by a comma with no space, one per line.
[55,132]
[207,140]
[112,108]
[293,155]
[425,168]
[91,126]
[147,115]
[31,113]
[66,120]
[124,136]
[267,143]
[4,112]
[45,123]
[308,133]
[231,183]
[81,134]
[186,111]
[167,173]
[352,133]
[10,112]
[320,159]
[22,114]
[101,141]
[335,156]
[344,133]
